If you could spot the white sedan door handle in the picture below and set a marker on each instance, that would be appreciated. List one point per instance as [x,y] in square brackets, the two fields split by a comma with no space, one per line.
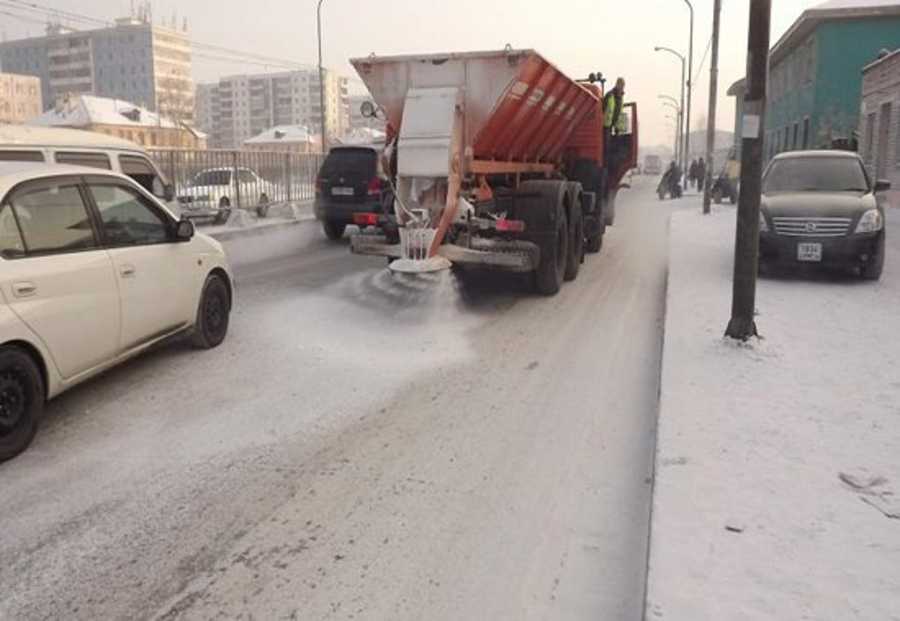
[24,289]
[127,271]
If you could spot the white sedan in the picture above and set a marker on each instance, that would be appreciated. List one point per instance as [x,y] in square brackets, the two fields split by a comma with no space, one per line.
[93,270]
[215,191]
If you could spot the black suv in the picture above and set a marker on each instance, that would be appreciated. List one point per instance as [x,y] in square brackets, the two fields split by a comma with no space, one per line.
[351,189]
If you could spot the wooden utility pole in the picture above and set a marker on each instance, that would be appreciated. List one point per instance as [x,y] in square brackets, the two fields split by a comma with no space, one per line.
[713,97]
[746,249]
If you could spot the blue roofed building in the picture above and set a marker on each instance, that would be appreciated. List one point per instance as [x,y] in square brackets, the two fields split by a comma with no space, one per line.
[815,73]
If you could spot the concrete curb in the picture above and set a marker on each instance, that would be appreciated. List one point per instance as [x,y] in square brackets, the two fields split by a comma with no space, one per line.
[262,229]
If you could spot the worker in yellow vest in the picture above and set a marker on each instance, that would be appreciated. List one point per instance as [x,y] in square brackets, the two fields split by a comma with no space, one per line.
[614,119]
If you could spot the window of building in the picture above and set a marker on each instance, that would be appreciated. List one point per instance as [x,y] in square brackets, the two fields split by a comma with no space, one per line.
[806,133]
[92,160]
[897,144]
[796,136]
[53,219]
[870,139]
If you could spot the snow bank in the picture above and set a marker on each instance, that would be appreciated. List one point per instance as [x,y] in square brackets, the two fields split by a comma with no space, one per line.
[778,463]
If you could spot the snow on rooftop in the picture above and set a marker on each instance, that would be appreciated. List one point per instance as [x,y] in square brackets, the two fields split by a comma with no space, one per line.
[363,135]
[283,133]
[84,110]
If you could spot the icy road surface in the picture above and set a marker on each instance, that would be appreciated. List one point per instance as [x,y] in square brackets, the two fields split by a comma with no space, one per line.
[362,446]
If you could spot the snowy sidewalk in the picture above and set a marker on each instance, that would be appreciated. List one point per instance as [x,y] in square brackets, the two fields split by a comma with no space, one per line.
[777,490]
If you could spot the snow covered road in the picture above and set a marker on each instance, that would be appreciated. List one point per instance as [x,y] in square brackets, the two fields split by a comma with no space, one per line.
[363,447]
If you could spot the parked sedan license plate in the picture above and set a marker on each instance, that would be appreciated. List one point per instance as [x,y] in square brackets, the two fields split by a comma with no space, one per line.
[809,253]
[339,191]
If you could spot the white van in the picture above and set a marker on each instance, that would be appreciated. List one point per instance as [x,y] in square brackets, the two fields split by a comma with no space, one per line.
[55,145]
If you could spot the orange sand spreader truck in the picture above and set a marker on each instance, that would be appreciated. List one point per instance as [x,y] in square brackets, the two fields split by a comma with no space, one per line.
[496,160]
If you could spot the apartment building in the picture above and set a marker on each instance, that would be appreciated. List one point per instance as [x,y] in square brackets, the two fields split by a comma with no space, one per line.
[239,107]
[880,120]
[20,98]
[133,60]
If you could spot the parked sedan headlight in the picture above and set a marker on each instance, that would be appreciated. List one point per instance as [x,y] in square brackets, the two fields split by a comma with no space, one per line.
[871,222]
[763,225]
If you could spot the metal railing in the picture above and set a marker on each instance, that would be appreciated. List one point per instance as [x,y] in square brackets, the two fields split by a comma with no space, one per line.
[239,179]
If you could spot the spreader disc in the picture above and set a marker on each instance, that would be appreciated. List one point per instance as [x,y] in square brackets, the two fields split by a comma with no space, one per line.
[423,266]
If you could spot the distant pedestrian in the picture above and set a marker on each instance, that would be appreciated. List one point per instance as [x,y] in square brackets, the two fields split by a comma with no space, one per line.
[701,174]
[692,174]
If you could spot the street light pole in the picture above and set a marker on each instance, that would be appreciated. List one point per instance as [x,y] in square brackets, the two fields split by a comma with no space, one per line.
[677,127]
[746,248]
[321,76]
[690,79]
[673,103]
[680,155]
[713,96]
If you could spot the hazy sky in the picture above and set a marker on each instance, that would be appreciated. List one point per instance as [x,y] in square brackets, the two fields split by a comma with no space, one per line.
[580,36]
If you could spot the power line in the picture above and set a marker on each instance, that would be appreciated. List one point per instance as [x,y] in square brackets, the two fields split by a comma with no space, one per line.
[23,18]
[30,6]
[232,54]
[708,45]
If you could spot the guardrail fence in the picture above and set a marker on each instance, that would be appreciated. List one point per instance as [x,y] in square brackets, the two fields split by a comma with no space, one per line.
[213,179]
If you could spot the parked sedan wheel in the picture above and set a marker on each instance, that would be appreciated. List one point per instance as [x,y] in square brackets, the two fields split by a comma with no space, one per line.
[224,211]
[21,401]
[262,209]
[875,267]
[213,313]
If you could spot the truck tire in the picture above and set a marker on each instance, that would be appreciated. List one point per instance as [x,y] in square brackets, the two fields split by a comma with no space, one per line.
[575,254]
[551,271]
[593,179]
[21,400]
[610,211]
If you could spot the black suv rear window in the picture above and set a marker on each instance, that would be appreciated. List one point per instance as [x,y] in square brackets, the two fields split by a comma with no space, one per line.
[358,161]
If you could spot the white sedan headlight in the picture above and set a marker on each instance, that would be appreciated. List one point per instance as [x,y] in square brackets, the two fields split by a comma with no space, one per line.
[763,225]
[871,222]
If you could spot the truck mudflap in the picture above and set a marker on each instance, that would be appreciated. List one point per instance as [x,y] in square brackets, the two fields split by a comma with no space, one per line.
[511,256]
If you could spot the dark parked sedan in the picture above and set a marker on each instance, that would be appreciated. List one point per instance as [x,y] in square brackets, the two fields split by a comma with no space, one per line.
[821,208]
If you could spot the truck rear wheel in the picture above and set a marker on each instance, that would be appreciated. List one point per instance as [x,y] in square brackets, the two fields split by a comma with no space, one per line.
[610,212]
[593,179]
[575,254]
[551,271]
[594,243]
